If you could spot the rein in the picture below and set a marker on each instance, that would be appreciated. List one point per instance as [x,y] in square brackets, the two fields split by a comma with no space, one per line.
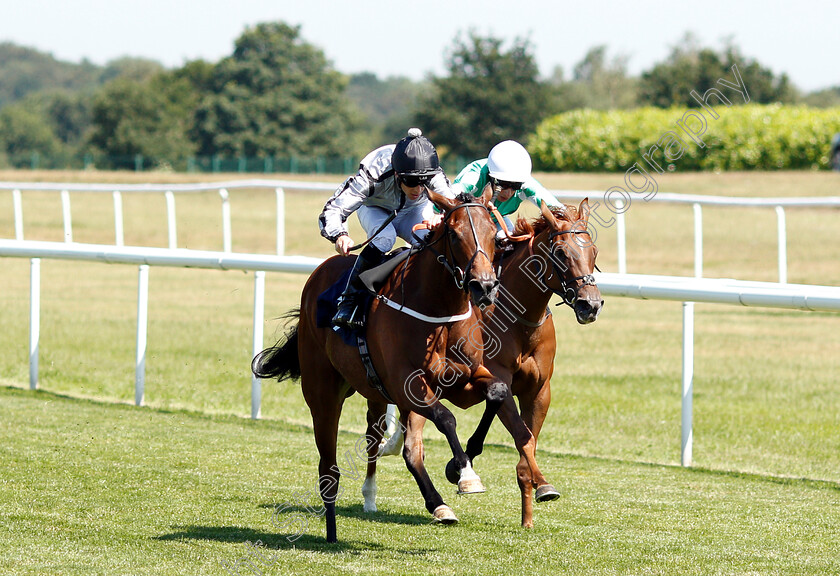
[461,277]
[501,220]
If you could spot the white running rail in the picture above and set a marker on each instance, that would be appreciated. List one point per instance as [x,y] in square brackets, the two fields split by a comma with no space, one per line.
[223,188]
[685,289]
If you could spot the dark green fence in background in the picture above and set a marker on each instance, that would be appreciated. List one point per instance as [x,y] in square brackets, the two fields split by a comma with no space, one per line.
[203,164]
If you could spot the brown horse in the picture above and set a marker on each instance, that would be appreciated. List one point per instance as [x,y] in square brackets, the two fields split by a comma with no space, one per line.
[557,256]
[419,358]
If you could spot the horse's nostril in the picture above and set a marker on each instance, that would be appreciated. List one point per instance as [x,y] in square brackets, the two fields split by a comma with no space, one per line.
[485,286]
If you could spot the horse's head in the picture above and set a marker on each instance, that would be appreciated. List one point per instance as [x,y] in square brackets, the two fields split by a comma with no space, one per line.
[467,233]
[573,256]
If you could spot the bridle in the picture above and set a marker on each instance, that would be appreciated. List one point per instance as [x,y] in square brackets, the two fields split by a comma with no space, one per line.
[568,287]
[461,277]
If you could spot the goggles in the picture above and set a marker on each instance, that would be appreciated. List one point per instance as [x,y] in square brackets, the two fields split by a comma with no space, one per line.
[412,181]
[504,184]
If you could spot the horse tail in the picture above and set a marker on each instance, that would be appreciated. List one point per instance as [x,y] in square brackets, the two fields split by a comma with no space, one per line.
[281,360]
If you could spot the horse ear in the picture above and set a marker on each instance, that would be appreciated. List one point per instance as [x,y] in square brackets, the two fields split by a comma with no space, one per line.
[441,201]
[548,215]
[487,194]
[583,210]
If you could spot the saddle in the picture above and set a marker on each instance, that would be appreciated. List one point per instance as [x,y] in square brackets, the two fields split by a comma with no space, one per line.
[372,280]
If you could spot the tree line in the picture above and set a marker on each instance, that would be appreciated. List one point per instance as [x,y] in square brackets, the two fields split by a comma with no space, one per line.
[277,96]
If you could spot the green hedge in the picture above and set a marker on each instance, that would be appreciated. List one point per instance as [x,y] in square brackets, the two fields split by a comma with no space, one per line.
[747,137]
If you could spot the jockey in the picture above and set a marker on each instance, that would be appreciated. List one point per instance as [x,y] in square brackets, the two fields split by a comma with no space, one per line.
[508,169]
[388,194]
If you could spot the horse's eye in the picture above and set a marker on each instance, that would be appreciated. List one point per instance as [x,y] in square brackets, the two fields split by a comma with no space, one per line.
[558,252]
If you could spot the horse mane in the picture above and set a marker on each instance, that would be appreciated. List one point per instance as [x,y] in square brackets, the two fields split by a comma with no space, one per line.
[537,225]
[437,231]
[465,198]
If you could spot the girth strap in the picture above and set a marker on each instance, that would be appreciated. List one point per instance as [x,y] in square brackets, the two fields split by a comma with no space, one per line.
[372,376]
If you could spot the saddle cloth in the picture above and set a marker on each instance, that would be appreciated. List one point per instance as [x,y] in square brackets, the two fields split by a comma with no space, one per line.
[372,279]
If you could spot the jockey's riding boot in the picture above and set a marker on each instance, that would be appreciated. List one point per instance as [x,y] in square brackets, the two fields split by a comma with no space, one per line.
[348,314]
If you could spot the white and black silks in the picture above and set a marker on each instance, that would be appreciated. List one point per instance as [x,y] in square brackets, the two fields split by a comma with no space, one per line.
[375,187]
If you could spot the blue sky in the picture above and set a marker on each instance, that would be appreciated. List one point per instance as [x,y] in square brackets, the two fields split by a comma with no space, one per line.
[395,37]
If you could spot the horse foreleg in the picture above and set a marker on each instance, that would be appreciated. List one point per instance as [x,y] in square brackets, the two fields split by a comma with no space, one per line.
[534,407]
[414,455]
[495,392]
[475,445]
[376,424]
[528,474]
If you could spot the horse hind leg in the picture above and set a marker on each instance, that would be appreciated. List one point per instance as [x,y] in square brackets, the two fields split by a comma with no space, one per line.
[392,445]
[376,424]
[325,395]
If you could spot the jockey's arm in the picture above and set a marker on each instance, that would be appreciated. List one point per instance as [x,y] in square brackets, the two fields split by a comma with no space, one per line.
[536,193]
[440,184]
[346,200]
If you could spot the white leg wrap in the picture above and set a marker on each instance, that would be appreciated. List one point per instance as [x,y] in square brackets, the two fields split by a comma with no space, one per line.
[391,417]
[369,492]
[391,446]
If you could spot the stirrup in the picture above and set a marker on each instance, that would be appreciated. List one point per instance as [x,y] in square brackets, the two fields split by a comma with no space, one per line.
[347,316]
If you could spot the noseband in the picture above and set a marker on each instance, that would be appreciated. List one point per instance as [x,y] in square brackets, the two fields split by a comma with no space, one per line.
[461,277]
[568,286]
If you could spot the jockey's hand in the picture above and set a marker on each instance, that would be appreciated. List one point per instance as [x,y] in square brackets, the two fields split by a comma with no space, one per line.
[434,220]
[343,244]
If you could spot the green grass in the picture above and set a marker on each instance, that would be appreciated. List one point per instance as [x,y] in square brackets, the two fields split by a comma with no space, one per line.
[90,484]
[93,488]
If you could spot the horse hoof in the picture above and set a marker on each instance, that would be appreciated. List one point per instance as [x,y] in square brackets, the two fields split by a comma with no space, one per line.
[546,493]
[443,514]
[470,483]
[452,472]
[473,486]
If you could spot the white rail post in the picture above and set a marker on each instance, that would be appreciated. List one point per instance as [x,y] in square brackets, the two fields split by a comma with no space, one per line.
[259,315]
[170,220]
[780,217]
[698,240]
[68,219]
[18,209]
[226,241]
[119,235]
[621,238]
[34,320]
[687,383]
[142,332]
[281,221]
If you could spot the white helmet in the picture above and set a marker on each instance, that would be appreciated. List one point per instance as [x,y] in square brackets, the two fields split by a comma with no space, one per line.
[509,161]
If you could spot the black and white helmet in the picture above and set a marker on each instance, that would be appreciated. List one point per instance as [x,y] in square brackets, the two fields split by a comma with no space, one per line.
[414,155]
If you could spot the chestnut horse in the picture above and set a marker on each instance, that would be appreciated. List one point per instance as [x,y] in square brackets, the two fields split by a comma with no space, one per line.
[553,255]
[418,357]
